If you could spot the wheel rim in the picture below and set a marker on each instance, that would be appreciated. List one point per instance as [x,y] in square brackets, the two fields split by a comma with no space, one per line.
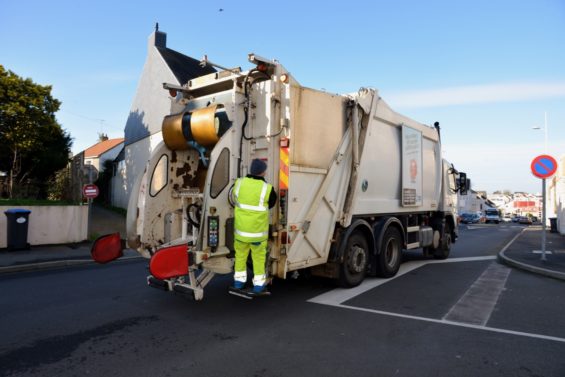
[356,260]
[391,253]
[447,241]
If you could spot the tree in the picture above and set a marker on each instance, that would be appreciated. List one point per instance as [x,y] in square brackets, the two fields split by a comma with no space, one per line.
[33,146]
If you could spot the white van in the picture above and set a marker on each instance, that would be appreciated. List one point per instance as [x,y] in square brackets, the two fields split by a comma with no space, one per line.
[492,215]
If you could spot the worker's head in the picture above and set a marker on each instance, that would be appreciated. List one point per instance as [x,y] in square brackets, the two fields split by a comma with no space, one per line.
[258,167]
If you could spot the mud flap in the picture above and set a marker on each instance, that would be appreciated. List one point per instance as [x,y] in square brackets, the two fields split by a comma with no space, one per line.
[170,262]
[107,248]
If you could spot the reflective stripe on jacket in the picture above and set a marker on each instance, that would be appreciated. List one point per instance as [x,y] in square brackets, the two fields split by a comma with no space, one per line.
[251,198]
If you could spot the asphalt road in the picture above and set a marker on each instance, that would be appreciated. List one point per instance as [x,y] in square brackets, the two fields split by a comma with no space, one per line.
[467,316]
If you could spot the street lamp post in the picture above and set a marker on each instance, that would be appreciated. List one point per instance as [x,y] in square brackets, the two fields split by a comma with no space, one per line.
[543,188]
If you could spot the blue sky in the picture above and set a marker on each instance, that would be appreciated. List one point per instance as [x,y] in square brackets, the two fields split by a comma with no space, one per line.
[486,70]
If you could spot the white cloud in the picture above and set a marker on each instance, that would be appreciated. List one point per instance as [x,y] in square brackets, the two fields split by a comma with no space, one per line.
[473,94]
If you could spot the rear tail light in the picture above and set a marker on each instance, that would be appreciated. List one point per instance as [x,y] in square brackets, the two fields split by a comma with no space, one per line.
[107,248]
[170,262]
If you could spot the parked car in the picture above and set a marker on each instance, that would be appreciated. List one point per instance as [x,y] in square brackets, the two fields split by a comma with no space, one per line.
[470,218]
[525,220]
[516,219]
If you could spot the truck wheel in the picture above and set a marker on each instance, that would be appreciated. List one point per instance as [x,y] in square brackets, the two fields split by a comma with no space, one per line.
[388,260]
[442,252]
[355,258]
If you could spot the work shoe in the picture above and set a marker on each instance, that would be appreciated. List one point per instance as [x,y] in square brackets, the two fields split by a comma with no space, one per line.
[238,285]
[258,289]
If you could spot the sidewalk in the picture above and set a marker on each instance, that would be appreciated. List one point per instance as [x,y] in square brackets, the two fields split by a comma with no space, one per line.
[40,257]
[520,254]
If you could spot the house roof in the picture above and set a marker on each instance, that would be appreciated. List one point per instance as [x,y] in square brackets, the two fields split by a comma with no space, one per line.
[102,147]
[183,67]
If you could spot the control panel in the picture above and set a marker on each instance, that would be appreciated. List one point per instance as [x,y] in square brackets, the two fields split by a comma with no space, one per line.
[213,231]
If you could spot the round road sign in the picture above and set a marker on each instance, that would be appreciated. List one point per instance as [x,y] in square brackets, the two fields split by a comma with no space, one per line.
[90,191]
[544,166]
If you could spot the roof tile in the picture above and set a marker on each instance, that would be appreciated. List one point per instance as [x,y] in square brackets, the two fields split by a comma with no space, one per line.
[100,148]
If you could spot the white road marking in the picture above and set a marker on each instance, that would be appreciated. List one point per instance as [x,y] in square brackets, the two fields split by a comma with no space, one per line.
[540,252]
[339,295]
[512,241]
[457,324]
[475,227]
[477,304]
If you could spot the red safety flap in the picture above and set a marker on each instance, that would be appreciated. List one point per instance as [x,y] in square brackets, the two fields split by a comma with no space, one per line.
[168,262]
[107,248]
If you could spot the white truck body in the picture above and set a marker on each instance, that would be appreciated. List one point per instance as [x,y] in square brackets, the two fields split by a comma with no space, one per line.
[357,182]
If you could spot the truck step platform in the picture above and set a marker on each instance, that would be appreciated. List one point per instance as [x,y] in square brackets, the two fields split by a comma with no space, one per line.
[158,283]
[246,293]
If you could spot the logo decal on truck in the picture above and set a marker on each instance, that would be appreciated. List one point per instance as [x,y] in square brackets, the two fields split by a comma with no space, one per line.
[411,166]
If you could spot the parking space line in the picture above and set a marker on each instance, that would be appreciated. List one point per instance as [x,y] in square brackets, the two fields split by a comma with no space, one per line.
[456,324]
[339,295]
[336,297]
[477,304]
[512,240]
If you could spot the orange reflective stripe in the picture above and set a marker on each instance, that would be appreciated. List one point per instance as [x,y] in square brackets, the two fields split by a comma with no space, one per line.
[284,170]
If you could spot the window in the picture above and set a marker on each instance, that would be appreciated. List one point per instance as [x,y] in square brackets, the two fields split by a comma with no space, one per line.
[221,175]
[159,176]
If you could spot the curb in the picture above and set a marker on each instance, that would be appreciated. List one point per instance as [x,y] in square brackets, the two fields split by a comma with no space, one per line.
[502,258]
[55,264]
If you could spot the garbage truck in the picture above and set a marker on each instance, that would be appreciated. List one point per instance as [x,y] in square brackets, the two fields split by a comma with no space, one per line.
[357,182]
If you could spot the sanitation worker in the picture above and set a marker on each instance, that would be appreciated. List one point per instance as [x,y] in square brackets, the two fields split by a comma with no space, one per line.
[253,198]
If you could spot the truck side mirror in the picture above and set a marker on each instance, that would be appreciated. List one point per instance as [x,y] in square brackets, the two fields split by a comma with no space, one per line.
[463,184]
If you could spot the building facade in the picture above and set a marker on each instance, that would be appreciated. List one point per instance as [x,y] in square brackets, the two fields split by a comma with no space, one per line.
[556,196]
[150,105]
[105,150]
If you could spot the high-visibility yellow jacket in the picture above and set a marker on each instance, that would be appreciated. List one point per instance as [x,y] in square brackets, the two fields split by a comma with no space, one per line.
[251,197]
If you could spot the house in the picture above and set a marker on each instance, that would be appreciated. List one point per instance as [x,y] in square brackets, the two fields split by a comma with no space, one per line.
[501,201]
[525,204]
[473,202]
[556,197]
[150,105]
[106,149]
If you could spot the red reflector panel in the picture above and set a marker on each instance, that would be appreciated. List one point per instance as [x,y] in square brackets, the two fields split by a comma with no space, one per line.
[169,262]
[107,248]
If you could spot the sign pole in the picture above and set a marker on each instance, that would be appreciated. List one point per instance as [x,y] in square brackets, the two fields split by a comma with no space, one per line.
[89,191]
[89,206]
[89,218]
[543,214]
[543,166]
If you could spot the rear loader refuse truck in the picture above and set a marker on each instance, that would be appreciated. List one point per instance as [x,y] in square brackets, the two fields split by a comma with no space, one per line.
[357,182]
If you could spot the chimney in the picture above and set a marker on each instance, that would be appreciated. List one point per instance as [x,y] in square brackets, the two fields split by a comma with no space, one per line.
[157,38]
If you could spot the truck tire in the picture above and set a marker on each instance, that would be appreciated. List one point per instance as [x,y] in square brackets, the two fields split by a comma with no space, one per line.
[355,258]
[389,258]
[442,252]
